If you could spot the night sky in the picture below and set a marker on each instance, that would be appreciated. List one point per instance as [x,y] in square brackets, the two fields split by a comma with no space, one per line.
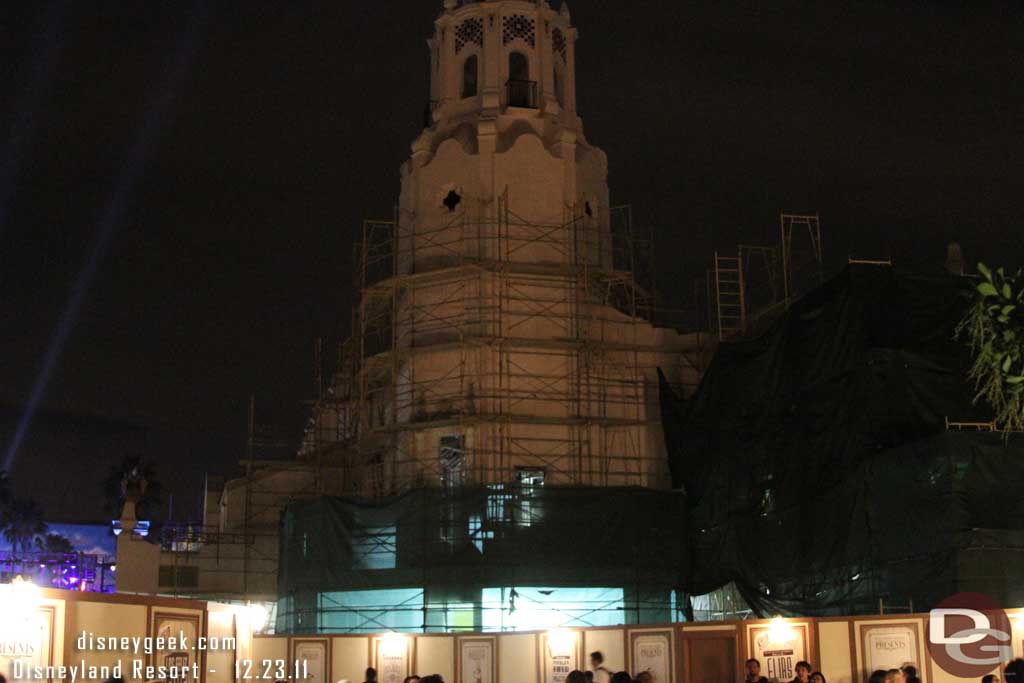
[217,159]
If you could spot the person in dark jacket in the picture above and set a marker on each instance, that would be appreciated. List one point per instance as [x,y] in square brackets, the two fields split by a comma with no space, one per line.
[754,672]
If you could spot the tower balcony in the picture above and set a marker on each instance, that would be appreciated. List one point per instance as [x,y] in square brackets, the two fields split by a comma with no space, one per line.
[521,93]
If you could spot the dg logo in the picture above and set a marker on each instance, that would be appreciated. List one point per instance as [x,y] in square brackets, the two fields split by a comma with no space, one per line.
[969,635]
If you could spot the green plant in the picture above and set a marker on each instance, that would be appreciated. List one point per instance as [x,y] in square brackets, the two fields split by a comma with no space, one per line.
[994,327]
[22,523]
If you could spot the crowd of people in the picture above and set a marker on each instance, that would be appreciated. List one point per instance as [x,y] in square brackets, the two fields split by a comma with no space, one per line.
[805,673]
[1014,673]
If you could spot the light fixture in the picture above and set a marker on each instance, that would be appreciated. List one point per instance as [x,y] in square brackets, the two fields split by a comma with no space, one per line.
[779,630]
[19,600]
[258,616]
[392,645]
[561,643]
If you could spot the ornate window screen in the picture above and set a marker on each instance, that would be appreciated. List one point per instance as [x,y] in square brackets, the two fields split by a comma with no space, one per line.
[469,32]
[519,26]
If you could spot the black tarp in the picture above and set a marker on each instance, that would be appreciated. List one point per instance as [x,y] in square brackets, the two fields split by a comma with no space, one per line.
[818,469]
[454,543]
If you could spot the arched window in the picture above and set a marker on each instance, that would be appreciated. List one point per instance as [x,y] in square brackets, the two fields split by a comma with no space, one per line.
[518,67]
[559,85]
[469,77]
[522,92]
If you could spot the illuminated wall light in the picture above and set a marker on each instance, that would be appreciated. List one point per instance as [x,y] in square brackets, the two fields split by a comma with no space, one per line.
[780,631]
[393,645]
[561,643]
[19,600]
[258,616]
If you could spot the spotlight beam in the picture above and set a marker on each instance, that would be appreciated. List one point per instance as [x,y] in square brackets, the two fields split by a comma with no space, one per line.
[156,116]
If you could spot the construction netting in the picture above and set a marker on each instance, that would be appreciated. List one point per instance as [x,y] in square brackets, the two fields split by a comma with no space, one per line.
[824,467]
[820,469]
[494,558]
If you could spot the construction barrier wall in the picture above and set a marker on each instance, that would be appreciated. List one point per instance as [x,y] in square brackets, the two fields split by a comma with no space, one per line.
[54,628]
[844,649]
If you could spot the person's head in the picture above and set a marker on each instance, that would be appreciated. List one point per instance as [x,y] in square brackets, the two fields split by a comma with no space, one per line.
[645,677]
[589,675]
[621,677]
[1014,671]
[412,679]
[803,670]
[575,676]
[596,658]
[991,678]
[893,676]
[432,678]
[753,668]
[371,674]
[877,676]
[818,677]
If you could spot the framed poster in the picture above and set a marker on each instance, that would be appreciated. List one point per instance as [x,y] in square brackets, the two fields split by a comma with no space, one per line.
[26,642]
[476,659]
[779,646]
[559,654]
[393,656]
[890,646]
[180,634]
[311,658]
[651,650]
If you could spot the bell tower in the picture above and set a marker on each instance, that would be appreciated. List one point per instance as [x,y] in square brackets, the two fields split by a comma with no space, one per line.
[500,336]
[503,127]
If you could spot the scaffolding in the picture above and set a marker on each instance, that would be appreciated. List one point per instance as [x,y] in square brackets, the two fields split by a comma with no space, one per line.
[761,281]
[729,293]
[232,555]
[801,258]
[487,348]
[533,344]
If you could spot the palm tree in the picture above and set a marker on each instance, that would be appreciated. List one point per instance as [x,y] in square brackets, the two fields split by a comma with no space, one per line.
[5,491]
[132,467]
[22,524]
[54,544]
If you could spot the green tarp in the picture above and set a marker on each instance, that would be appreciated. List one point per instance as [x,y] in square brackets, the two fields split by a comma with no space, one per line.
[454,544]
[819,472]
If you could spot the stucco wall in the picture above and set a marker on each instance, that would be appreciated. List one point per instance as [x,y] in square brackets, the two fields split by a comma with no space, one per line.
[833,646]
[72,622]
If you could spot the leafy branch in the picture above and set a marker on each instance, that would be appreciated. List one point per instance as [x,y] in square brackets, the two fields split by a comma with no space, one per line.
[994,327]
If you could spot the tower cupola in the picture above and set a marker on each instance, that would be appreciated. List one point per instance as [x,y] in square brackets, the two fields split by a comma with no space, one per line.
[492,56]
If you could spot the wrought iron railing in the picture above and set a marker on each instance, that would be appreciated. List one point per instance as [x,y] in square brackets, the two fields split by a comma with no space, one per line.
[522,94]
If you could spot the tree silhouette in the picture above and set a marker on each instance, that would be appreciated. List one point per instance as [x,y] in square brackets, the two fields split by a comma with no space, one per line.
[22,524]
[5,491]
[54,544]
[132,467]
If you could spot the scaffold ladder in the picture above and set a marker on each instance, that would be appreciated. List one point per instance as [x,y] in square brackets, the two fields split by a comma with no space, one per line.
[729,296]
[791,264]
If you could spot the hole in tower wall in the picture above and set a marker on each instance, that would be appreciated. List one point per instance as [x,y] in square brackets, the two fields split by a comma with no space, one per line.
[452,200]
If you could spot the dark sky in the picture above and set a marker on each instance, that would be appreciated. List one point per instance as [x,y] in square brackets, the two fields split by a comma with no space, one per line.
[232,151]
